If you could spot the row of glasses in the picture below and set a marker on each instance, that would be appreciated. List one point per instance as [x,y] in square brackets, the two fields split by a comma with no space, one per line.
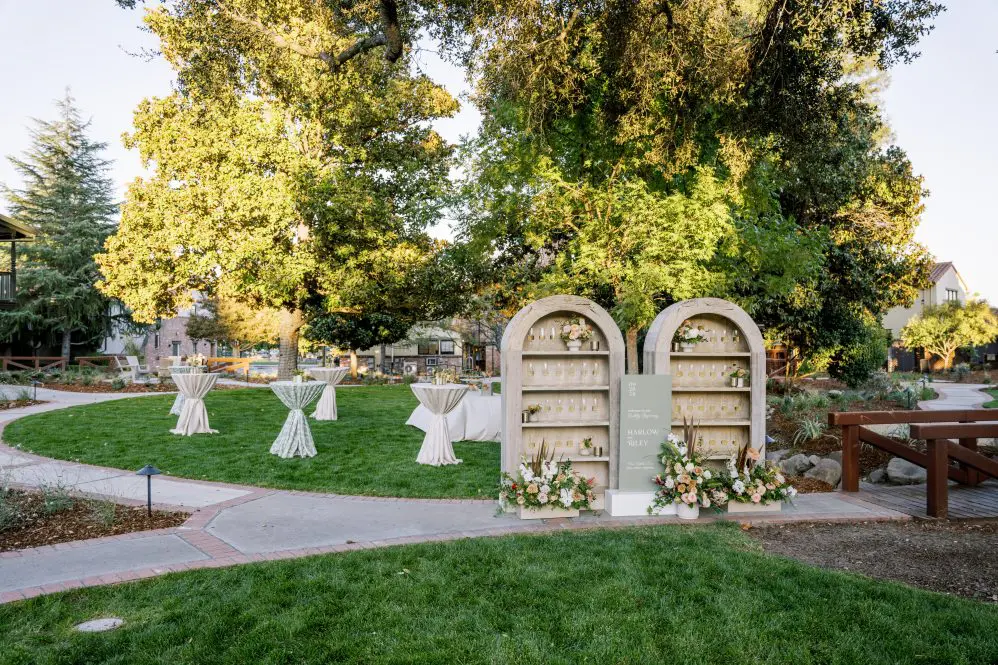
[571,409]
[705,374]
[708,407]
[565,373]
[720,337]
[718,443]
[566,444]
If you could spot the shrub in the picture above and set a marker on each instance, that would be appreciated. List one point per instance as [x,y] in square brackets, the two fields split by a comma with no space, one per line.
[118,383]
[962,371]
[10,515]
[809,429]
[856,362]
[880,384]
[24,395]
[56,498]
[409,379]
[102,512]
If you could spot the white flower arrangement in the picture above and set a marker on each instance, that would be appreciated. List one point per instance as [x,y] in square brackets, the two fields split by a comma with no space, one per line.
[542,483]
[686,479]
[197,360]
[576,330]
[688,334]
[752,480]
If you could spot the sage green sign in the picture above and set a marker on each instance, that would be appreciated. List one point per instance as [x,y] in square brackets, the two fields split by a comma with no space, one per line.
[645,421]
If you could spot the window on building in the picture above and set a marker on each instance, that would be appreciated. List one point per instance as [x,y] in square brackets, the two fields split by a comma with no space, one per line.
[155,341]
[175,348]
[428,347]
[952,295]
[446,346]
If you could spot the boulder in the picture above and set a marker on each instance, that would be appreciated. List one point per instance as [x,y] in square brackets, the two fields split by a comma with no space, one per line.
[878,476]
[836,455]
[903,472]
[776,456]
[827,470]
[814,460]
[795,465]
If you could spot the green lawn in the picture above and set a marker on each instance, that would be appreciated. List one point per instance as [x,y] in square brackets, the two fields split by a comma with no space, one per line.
[369,450]
[692,595]
[993,404]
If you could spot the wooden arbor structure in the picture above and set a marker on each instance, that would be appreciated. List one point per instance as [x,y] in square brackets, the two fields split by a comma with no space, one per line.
[11,232]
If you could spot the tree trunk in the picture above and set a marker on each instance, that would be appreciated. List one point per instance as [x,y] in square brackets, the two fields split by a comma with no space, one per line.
[384,351]
[67,338]
[353,363]
[632,351]
[291,322]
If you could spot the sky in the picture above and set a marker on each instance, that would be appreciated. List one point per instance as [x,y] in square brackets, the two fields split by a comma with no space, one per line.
[941,107]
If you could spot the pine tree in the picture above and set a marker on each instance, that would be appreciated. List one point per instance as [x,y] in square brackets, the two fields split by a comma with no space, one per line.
[68,197]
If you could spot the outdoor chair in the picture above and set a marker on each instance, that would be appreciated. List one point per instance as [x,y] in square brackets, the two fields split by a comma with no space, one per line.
[133,368]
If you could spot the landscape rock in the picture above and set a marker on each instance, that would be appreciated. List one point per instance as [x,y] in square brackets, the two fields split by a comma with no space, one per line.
[878,476]
[776,456]
[100,625]
[834,394]
[814,459]
[836,455]
[903,472]
[827,470]
[795,465]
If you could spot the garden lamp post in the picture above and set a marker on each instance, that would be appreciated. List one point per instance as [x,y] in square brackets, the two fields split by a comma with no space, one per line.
[148,471]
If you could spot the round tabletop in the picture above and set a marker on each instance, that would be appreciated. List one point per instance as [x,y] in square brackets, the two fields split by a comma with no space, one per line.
[331,375]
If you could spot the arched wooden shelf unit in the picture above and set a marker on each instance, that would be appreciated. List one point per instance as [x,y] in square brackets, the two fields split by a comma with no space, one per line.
[578,391]
[701,385]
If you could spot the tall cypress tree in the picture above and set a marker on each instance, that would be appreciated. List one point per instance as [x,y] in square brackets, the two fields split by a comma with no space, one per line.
[68,197]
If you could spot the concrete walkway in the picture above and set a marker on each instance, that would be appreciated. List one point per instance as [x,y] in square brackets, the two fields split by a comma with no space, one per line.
[957,396]
[232,524]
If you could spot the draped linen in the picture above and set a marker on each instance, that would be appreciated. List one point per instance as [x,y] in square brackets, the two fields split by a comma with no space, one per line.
[295,439]
[440,400]
[325,408]
[178,402]
[193,416]
[477,418]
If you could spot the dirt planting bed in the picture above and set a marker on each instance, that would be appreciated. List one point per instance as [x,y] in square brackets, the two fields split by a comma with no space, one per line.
[953,557]
[33,519]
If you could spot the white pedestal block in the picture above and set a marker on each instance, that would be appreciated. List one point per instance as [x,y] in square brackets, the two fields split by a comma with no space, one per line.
[736,508]
[620,503]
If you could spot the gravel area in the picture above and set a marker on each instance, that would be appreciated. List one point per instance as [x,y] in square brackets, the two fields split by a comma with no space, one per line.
[953,557]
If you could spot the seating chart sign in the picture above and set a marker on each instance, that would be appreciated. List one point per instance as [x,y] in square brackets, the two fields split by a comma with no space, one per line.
[645,421]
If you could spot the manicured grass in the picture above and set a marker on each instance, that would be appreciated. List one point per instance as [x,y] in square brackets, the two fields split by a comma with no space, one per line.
[369,450]
[694,595]
[993,404]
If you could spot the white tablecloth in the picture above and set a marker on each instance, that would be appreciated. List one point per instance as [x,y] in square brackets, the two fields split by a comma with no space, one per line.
[193,416]
[477,418]
[178,402]
[295,438]
[440,400]
[325,408]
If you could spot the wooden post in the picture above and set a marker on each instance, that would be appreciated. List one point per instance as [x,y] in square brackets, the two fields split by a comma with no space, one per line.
[850,458]
[936,498]
[973,475]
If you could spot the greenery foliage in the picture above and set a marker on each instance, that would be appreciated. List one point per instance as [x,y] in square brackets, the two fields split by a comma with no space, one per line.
[856,361]
[942,329]
[68,197]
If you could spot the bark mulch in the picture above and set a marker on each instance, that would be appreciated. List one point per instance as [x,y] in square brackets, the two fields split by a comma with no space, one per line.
[952,557]
[19,403]
[25,521]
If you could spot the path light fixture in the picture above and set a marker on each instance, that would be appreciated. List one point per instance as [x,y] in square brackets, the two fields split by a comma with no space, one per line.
[148,471]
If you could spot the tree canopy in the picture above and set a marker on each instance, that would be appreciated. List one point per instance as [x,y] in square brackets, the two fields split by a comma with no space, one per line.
[68,198]
[943,329]
[276,183]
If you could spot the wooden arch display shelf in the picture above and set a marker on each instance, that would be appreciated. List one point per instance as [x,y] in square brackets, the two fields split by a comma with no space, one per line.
[578,391]
[701,387]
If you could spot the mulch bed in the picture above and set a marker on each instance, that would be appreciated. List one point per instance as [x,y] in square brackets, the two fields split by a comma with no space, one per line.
[35,527]
[953,557]
[805,485]
[20,404]
[103,387]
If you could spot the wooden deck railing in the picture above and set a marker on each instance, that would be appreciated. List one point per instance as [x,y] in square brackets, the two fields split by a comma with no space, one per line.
[38,363]
[101,362]
[229,365]
[965,425]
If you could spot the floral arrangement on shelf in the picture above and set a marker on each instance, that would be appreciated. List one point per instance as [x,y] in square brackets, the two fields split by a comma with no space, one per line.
[753,480]
[576,330]
[688,335]
[686,478]
[533,408]
[738,378]
[541,482]
[197,360]
[445,375]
